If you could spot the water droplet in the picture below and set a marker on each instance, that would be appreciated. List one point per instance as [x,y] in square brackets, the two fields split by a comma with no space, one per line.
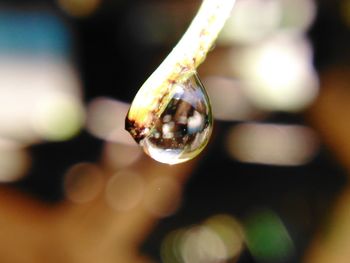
[180,130]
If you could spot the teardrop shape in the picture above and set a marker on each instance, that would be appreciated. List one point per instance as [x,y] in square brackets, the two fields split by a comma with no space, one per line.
[181,124]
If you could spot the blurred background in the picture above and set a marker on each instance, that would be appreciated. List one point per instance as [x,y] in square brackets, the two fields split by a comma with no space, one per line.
[270,187]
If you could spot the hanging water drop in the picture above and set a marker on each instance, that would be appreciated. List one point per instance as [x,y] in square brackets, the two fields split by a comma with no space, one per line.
[177,125]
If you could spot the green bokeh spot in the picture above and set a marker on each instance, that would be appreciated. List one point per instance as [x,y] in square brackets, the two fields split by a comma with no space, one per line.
[267,237]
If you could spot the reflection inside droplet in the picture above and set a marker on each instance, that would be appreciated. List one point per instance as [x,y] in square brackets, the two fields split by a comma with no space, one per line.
[183,128]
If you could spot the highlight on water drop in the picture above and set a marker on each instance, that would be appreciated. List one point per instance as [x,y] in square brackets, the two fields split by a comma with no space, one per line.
[180,125]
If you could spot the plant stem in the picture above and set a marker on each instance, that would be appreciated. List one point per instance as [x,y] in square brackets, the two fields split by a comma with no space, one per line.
[182,61]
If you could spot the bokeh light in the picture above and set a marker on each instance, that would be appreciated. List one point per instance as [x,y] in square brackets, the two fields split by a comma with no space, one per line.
[250,21]
[253,20]
[46,105]
[79,8]
[278,73]
[124,190]
[106,120]
[117,155]
[83,182]
[171,246]
[272,144]
[297,15]
[202,244]
[229,103]
[169,189]
[58,117]
[27,32]
[230,232]
[40,94]
[268,239]
[14,161]
[220,238]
